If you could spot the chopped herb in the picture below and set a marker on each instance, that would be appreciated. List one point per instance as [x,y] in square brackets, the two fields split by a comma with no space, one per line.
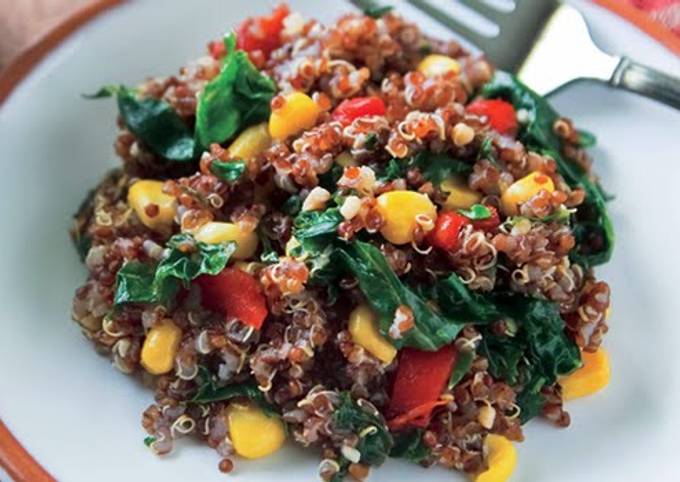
[237,98]
[230,171]
[476,212]
[149,440]
[210,392]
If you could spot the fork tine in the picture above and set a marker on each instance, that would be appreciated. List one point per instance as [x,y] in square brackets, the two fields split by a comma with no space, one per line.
[485,10]
[448,21]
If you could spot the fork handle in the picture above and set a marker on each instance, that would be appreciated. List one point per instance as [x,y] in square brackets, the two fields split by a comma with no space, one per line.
[643,80]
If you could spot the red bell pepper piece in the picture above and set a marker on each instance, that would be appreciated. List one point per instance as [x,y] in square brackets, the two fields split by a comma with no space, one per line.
[490,223]
[446,230]
[501,114]
[234,293]
[419,382]
[351,109]
[262,33]
[418,417]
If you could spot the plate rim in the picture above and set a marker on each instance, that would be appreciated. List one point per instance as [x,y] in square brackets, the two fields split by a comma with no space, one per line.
[26,61]
[19,464]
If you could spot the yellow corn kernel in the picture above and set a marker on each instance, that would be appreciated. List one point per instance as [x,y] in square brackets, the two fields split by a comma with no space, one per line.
[253,433]
[299,112]
[345,159]
[214,233]
[160,347]
[592,377]
[438,65]
[501,457]
[523,190]
[460,195]
[401,211]
[155,209]
[250,142]
[363,326]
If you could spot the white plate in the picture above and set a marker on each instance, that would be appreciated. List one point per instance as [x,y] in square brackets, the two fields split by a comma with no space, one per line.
[81,419]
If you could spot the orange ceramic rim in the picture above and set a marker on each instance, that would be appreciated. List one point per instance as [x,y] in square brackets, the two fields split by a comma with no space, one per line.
[644,23]
[14,459]
[23,64]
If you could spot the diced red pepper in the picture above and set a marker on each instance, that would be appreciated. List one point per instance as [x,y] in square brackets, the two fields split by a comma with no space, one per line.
[262,33]
[501,114]
[446,230]
[234,293]
[418,417]
[419,382]
[490,223]
[351,109]
[217,49]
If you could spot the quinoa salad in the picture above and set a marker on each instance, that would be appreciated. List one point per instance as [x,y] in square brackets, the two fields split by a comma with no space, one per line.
[353,237]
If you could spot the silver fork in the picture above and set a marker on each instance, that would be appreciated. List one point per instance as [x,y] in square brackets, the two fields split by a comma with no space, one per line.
[547,44]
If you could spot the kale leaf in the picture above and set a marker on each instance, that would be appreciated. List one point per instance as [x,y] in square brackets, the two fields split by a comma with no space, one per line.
[238,97]
[316,229]
[209,392]
[374,9]
[476,212]
[385,292]
[436,167]
[377,441]
[409,445]
[230,171]
[537,354]
[154,122]
[592,225]
[186,260]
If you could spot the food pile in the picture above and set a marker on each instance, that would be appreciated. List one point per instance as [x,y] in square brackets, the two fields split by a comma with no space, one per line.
[354,237]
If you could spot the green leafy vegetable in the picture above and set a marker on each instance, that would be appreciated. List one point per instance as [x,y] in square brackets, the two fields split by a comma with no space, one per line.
[237,98]
[463,363]
[593,228]
[436,167]
[154,122]
[316,229]
[329,180]
[149,440]
[409,445]
[462,304]
[210,392]
[537,354]
[230,171]
[586,139]
[292,205]
[134,284]
[477,212]
[393,170]
[374,9]
[385,292]
[187,259]
[376,442]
